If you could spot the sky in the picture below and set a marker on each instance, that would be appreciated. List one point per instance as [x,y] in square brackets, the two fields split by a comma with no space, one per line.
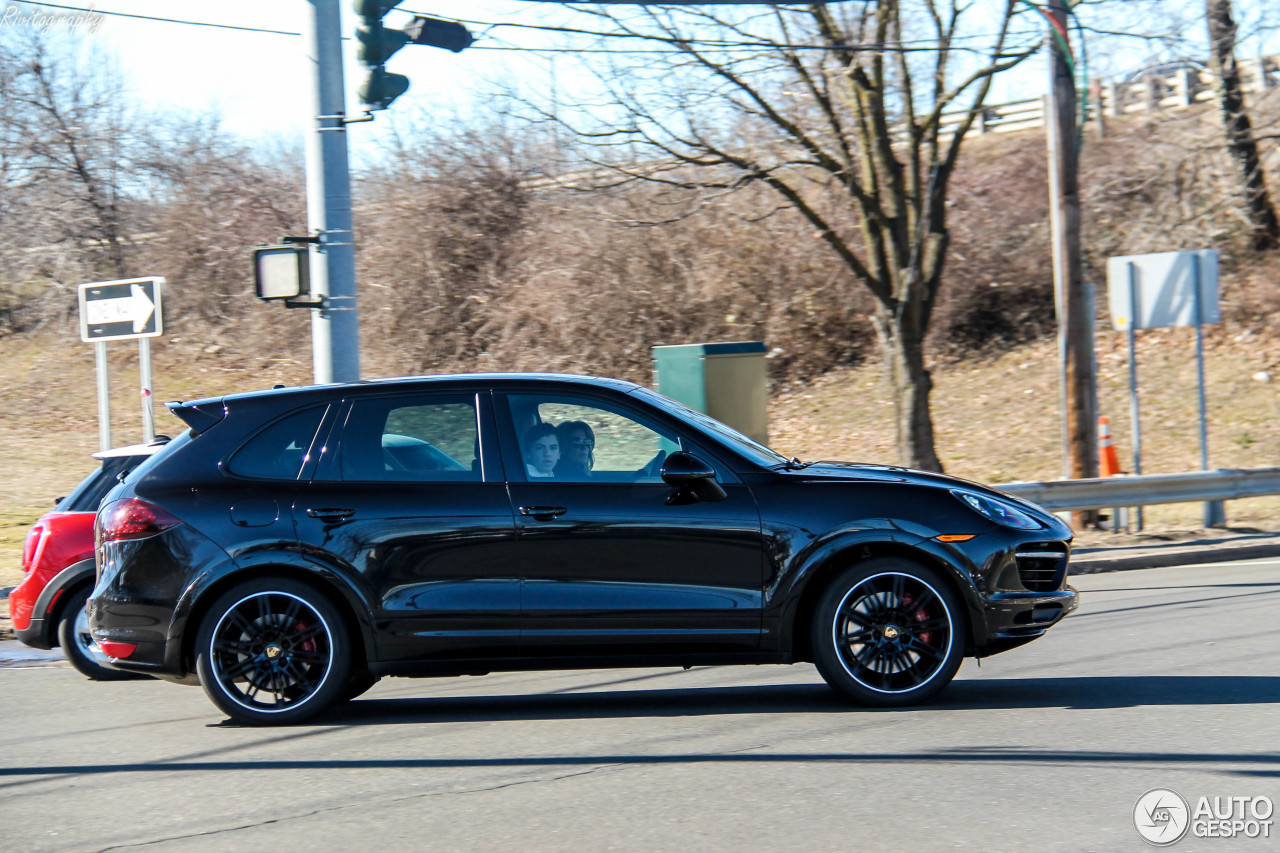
[258,84]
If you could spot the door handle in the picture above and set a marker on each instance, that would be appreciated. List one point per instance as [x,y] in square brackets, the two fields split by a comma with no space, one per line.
[331,513]
[543,513]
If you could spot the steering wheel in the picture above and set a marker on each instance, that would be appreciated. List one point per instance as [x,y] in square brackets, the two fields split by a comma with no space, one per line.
[654,466]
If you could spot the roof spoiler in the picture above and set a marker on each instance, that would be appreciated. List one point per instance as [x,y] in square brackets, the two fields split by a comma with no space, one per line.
[200,414]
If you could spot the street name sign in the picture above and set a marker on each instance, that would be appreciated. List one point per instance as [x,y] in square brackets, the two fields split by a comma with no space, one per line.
[121,310]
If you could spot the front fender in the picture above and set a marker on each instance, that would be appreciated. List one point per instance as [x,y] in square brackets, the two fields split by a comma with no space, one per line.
[801,583]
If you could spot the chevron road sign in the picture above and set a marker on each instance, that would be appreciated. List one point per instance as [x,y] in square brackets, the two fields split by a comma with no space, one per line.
[121,310]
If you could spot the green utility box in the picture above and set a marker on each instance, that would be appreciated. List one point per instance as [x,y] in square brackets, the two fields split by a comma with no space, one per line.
[726,381]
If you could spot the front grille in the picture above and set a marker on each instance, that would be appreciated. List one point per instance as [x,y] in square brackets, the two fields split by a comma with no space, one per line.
[1041,565]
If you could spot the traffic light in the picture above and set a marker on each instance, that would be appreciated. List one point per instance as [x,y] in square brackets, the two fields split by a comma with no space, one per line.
[377,43]
[447,34]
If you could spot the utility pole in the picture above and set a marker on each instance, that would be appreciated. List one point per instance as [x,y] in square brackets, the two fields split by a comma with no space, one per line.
[1072,299]
[335,327]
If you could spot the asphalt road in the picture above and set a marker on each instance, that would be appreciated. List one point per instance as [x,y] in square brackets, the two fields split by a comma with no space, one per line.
[1165,678]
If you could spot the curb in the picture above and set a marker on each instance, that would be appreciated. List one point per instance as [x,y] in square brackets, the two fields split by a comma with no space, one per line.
[1155,558]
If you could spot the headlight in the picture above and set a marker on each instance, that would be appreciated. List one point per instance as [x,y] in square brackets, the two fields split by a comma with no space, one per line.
[994,509]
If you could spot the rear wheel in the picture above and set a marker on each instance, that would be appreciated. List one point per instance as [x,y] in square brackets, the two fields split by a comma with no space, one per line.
[273,652]
[888,632]
[78,645]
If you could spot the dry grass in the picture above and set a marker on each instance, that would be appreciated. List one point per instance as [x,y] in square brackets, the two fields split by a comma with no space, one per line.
[996,419]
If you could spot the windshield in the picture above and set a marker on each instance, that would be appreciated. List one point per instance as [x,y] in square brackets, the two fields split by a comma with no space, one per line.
[753,450]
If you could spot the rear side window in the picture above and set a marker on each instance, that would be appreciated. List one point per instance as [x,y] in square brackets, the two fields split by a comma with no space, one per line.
[93,488]
[411,439]
[280,451]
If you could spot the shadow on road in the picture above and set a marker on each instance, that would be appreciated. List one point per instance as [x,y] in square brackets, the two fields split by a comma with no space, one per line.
[1081,693]
[1077,693]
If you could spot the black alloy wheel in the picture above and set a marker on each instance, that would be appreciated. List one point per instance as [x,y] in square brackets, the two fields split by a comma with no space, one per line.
[888,632]
[273,652]
[77,644]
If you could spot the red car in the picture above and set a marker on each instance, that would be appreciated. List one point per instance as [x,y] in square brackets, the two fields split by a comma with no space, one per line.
[47,608]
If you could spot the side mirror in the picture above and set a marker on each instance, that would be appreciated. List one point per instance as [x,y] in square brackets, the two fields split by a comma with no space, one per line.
[693,478]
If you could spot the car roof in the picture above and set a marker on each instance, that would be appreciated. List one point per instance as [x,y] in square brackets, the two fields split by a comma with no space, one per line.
[494,380]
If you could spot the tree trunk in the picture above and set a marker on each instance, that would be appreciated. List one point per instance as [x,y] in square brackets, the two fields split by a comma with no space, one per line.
[1239,130]
[902,341]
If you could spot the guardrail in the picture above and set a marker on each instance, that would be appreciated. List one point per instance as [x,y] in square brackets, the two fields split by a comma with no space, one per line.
[1160,92]
[1148,489]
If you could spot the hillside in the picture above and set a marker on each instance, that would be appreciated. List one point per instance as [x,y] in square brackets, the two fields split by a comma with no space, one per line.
[996,418]
[477,274]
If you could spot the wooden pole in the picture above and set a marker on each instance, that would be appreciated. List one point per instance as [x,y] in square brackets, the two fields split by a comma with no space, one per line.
[1075,318]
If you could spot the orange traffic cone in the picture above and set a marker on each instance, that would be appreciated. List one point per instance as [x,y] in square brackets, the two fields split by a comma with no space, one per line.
[1108,463]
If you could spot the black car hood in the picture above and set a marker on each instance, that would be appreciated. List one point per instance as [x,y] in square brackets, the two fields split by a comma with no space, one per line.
[883,474]
[863,472]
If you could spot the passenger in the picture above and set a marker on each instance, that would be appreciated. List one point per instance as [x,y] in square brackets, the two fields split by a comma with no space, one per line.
[541,450]
[577,450]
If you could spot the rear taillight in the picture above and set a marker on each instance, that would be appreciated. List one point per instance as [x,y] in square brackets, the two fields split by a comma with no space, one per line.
[33,546]
[131,518]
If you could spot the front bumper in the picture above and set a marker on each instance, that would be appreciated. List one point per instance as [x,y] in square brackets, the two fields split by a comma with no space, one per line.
[1015,618]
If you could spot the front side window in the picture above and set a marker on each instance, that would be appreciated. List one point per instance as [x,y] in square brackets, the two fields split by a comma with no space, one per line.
[419,439]
[280,451]
[572,440]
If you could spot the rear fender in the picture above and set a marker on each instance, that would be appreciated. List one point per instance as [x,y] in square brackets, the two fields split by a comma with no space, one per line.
[43,633]
[201,593]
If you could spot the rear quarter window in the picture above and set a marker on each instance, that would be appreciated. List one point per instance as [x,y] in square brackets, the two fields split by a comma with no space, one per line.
[279,451]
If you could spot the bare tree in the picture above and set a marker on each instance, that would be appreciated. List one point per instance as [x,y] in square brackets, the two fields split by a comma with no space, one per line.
[854,115]
[66,158]
[68,128]
[1241,146]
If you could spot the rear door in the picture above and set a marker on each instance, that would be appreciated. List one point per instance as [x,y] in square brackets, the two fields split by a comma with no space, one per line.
[411,503]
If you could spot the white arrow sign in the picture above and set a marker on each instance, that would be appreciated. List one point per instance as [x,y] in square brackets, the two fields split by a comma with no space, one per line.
[136,308]
[120,310]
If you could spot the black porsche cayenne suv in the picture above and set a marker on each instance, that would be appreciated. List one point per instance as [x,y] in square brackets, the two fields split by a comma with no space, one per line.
[293,546]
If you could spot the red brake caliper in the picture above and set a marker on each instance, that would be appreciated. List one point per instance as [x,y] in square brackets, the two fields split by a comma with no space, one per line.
[921,615]
[310,644]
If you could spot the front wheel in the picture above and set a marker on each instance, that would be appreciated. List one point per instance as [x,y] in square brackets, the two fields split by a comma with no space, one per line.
[272,652]
[888,632]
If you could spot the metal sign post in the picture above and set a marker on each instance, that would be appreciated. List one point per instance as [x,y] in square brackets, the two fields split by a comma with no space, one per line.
[1134,419]
[1167,289]
[1214,513]
[115,311]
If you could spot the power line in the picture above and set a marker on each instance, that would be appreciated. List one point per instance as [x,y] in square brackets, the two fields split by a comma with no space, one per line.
[671,43]
[93,11]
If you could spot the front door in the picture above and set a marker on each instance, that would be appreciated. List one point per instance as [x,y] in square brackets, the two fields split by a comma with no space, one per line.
[610,566]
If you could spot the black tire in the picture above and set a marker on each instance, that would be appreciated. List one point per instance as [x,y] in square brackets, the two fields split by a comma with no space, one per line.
[78,645]
[273,652]
[888,632]
[357,685]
